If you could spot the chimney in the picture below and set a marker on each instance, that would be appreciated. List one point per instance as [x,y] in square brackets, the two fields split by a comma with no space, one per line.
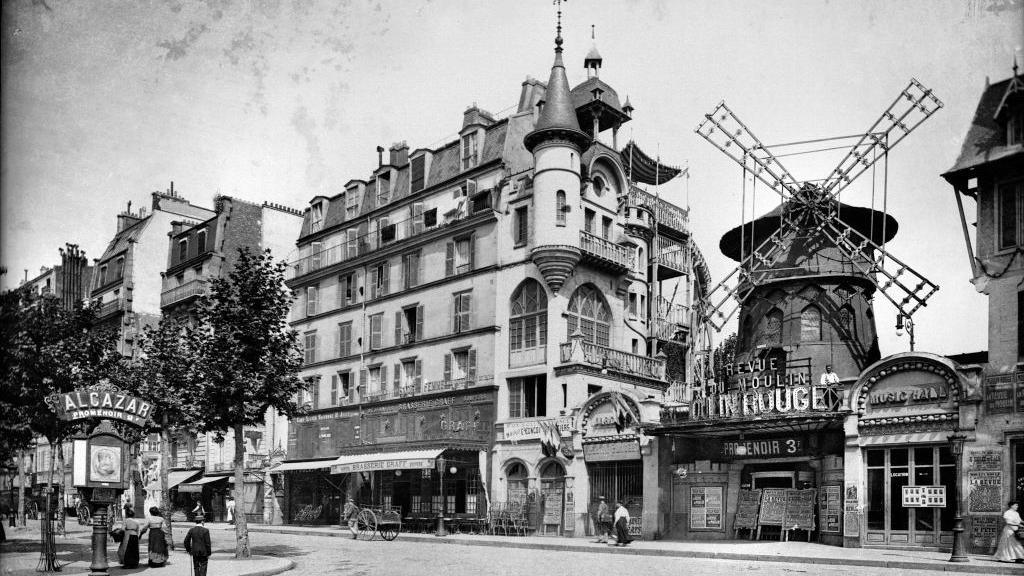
[399,154]
[380,156]
[533,90]
[474,115]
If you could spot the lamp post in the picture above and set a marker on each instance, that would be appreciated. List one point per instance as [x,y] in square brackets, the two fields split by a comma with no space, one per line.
[905,322]
[956,447]
[444,500]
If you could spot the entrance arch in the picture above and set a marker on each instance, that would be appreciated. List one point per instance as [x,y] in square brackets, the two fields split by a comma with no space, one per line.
[552,498]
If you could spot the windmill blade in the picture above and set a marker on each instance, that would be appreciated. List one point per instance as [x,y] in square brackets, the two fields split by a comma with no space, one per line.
[911,287]
[730,135]
[914,105]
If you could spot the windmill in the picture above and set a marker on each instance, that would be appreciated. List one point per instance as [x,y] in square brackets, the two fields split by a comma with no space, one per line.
[811,221]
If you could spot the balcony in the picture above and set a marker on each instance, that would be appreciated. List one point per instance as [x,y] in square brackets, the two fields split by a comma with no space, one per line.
[185,462]
[606,254]
[253,462]
[668,215]
[612,360]
[110,308]
[673,259]
[410,390]
[190,289]
[324,258]
[672,321]
[527,357]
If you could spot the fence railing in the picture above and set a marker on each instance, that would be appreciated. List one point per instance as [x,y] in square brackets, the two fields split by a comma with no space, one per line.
[406,391]
[186,290]
[613,360]
[666,213]
[607,250]
[108,308]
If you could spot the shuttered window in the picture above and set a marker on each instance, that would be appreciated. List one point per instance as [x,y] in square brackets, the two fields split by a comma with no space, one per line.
[376,331]
[417,173]
[461,306]
[345,339]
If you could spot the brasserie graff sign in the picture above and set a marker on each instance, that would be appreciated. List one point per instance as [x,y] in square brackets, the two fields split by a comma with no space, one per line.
[92,403]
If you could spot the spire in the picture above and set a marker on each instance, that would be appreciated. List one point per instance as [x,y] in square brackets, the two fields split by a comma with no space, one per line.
[592,63]
[557,117]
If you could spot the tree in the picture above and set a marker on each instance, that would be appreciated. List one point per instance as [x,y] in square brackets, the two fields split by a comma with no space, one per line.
[724,354]
[248,356]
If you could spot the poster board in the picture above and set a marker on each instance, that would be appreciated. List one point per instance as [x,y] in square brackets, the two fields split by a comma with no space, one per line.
[773,507]
[799,512]
[746,510]
[830,509]
[553,507]
[706,507]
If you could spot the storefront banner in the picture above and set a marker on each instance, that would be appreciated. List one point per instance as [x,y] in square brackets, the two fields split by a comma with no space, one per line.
[766,400]
[782,447]
[611,451]
[532,430]
[413,460]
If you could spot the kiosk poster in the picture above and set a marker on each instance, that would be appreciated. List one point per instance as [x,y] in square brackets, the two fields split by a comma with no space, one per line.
[746,509]
[831,508]
[986,488]
[799,513]
[773,507]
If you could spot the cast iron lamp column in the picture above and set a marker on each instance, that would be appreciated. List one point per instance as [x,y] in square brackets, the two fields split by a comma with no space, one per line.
[444,499]
[956,446]
[99,565]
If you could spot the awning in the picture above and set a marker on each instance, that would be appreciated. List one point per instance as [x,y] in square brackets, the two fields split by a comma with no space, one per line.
[302,465]
[197,486]
[174,477]
[642,168]
[408,460]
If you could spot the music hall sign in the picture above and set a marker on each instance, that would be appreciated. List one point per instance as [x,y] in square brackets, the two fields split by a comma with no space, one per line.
[763,389]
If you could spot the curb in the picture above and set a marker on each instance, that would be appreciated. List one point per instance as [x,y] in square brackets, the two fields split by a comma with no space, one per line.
[272,571]
[991,568]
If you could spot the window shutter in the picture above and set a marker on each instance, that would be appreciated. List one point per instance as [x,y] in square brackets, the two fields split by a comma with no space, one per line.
[398,376]
[449,262]
[417,217]
[419,268]
[353,238]
[364,381]
[383,377]
[472,364]
[455,314]
[398,328]
[376,326]
[419,374]
[311,300]
[373,283]
[447,367]
[419,323]
[472,252]
[467,306]
[384,282]
[471,188]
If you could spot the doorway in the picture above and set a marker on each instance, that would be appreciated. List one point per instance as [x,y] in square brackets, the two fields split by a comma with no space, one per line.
[889,470]
[552,499]
[773,479]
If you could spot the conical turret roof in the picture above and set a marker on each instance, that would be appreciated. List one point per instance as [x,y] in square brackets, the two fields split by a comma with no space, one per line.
[558,116]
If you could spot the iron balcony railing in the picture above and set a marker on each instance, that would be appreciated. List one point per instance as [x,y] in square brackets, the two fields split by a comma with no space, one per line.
[185,291]
[607,251]
[527,357]
[111,307]
[666,213]
[612,360]
[186,462]
[409,390]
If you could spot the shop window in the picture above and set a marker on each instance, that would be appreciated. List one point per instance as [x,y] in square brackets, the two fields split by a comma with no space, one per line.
[889,470]
[589,314]
[810,324]
[527,397]
[528,325]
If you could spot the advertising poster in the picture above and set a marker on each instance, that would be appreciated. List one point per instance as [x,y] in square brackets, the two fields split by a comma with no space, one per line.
[831,508]
[105,464]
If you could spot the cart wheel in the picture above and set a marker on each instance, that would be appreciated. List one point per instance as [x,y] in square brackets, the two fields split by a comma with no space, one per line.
[390,531]
[367,524]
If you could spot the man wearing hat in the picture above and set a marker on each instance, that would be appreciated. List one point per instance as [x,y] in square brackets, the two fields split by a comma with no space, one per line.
[197,543]
[604,522]
[350,515]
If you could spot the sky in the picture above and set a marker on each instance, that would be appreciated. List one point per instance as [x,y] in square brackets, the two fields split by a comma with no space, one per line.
[104,102]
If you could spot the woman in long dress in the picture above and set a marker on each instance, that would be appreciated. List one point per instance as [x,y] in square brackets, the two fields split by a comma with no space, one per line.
[157,539]
[1009,549]
[128,551]
[621,525]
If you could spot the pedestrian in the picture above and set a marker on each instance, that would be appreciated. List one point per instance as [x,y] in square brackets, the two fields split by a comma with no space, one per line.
[603,522]
[350,515]
[157,538]
[197,544]
[231,509]
[829,378]
[1009,549]
[199,509]
[128,551]
[621,525]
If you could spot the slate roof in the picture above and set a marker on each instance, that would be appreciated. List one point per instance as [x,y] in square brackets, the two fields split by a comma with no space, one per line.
[582,93]
[986,139]
[120,242]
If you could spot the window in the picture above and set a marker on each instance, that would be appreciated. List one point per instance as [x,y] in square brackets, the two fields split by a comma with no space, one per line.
[481,202]
[352,242]
[460,365]
[522,225]
[459,256]
[417,171]
[120,268]
[344,339]
[599,185]
[352,203]
[1020,324]
[810,324]
[387,231]
[469,150]
[560,208]
[518,483]
[430,218]
[411,269]
[373,380]
[409,325]
[310,347]
[201,242]
[315,255]
[415,218]
[588,220]
[589,314]
[528,324]
[408,373]
[1010,198]
[772,334]
[103,275]
[182,250]
[316,217]
[606,228]
[376,331]
[847,327]
[383,190]
[632,305]
[339,387]
[1015,129]
[379,279]
[461,305]
[527,397]
[312,301]
[347,290]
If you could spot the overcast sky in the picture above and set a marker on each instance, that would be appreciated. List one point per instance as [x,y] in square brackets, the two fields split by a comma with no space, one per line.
[104,102]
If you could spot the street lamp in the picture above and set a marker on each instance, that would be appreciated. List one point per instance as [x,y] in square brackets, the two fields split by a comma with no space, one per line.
[444,500]
[904,321]
[956,447]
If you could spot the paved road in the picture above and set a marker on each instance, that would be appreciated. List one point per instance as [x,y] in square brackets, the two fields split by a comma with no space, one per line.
[319,555]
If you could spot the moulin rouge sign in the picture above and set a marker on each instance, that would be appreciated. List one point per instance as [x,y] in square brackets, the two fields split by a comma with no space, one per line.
[93,403]
[762,389]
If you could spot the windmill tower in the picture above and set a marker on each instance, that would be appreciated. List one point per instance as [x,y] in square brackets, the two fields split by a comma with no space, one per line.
[809,269]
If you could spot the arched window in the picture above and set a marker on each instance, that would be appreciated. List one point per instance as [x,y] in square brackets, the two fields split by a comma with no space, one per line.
[201,242]
[552,471]
[590,315]
[517,482]
[847,327]
[560,208]
[810,324]
[772,333]
[599,185]
[528,322]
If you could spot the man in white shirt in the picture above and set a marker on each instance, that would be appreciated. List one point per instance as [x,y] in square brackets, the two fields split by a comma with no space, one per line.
[829,378]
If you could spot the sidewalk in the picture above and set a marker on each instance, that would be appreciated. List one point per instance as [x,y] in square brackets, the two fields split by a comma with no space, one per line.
[763,551]
[19,556]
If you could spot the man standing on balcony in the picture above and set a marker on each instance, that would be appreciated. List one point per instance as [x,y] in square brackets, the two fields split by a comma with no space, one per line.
[829,378]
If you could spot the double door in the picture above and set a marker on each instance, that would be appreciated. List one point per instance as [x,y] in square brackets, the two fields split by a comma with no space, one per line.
[889,522]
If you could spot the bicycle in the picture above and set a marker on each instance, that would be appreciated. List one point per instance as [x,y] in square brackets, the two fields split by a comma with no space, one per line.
[84,514]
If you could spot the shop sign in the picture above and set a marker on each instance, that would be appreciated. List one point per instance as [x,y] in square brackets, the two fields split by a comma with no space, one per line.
[96,403]
[706,505]
[531,430]
[999,398]
[780,447]
[611,451]
[758,401]
[908,389]
[924,496]
[399,464]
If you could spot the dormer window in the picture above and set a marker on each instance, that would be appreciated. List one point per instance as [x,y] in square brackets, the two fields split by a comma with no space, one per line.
[183,250]
[417,174]
[120,268]
[352,203]
[1015,128]
[316,217]
[470,152]
[383,191]
[201,242]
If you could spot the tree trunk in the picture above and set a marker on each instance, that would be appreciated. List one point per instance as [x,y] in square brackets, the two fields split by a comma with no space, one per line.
[241,530]
[165,466]
[21,488]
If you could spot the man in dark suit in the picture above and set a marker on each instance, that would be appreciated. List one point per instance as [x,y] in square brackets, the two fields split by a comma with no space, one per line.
[197,543]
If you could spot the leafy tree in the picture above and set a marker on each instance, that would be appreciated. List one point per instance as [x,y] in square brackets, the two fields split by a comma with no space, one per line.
[248,356]
[724,354]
